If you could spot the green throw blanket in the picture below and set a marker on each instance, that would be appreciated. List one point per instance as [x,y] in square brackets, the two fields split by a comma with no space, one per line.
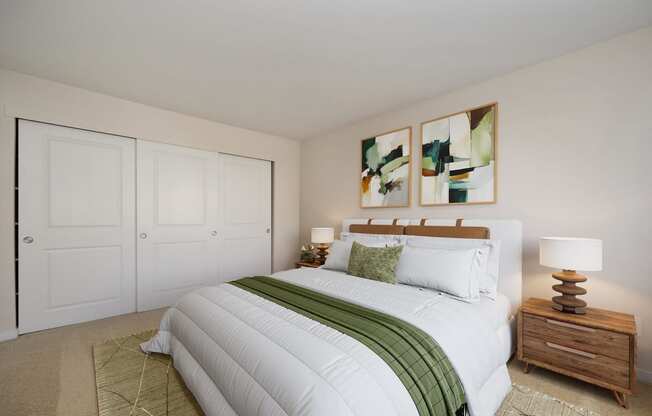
[413,355]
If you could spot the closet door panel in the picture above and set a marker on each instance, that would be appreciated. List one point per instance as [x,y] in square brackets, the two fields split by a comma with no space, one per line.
[178,246]
[246,201]
[246,257]
[76,225]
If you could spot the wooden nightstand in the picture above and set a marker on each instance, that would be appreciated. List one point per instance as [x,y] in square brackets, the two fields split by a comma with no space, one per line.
[599,347]
[301,264]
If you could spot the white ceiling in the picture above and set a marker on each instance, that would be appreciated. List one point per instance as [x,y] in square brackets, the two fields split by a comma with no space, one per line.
[295,68]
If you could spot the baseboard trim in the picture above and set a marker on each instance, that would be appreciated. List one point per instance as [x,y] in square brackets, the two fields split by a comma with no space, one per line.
[8,335]
[644,375]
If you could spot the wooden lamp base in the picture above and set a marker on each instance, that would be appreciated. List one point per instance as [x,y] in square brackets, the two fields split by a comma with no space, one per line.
[568,302]
[322,252]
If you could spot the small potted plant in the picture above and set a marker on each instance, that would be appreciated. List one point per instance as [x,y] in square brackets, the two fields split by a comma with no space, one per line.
[308,253]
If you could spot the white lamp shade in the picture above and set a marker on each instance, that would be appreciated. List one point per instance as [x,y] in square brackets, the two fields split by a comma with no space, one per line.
[571,253]
[322,235]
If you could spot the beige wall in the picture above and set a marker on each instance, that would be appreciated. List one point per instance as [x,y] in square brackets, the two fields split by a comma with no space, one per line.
[38,99]
[574,154]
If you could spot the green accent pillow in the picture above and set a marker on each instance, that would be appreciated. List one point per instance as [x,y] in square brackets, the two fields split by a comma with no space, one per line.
[375,263]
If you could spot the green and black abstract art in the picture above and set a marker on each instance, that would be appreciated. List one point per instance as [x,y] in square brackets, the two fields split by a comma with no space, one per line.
[385,177]
[458,163]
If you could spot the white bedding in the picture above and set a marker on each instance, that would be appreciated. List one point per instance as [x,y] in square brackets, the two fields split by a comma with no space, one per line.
[243,355]
[497,312]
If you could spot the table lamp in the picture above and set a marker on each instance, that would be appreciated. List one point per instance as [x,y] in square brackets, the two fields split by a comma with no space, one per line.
[321,238]
[570,254]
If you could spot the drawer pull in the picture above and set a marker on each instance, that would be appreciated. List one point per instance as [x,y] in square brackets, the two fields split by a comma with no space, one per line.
[571,350]
[572,326]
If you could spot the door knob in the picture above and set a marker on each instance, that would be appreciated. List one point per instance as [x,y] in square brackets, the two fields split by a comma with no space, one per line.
[143,236]
[213,233]
[28,239]
[269,230]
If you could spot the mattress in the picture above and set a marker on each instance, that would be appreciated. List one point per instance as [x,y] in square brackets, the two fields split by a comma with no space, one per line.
[242,354]
[496,312]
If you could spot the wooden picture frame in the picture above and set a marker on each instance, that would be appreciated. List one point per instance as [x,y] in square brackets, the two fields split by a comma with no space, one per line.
[367,200]
[434,201]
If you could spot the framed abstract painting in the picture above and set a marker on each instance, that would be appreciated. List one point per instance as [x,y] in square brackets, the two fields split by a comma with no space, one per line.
[458,158]
[386,170]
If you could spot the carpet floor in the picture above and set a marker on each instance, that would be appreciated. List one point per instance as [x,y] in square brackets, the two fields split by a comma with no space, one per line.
[51,373]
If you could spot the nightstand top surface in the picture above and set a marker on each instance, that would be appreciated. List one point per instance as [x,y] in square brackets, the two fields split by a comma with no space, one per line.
[594,318]
[307,264]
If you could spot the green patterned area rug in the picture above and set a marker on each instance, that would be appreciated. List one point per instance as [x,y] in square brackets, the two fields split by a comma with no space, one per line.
[523,401]
[131,383]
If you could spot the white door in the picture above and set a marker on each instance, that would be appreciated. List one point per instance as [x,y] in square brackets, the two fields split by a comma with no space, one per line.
[178,247]
[76,227]
[246,216]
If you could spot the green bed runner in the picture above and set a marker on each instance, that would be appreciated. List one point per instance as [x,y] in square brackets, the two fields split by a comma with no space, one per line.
[413,355]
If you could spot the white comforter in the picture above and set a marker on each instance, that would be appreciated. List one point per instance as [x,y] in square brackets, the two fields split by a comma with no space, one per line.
[243,355]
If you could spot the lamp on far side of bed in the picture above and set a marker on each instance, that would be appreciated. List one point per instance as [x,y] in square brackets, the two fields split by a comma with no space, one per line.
[321,238]
[570,254]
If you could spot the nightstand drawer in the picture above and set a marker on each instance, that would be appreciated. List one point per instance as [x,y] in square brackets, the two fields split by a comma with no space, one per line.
[596,341]
[588,364]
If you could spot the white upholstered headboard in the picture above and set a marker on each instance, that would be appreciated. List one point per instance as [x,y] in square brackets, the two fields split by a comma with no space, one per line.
[510,234]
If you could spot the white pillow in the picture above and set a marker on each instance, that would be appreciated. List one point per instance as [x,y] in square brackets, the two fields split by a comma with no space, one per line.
[340,251]
[369,239]
[455,272]
[338,256]
[489,279]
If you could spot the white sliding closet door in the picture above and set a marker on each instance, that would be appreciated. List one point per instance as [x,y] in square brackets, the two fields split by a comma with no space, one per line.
[246,216]
[178,240]
[76,228]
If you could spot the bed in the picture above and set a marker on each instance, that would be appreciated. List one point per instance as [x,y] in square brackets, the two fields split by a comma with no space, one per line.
[241,354]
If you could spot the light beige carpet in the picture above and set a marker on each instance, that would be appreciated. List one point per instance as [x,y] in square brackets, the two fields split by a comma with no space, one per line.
[130,382]
[51,372]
